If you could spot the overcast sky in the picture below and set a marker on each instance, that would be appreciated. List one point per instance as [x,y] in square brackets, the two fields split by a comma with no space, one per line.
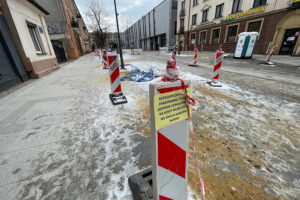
[129,10]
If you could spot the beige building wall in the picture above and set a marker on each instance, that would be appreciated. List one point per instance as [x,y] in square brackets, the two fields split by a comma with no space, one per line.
[246,5]
[23,12]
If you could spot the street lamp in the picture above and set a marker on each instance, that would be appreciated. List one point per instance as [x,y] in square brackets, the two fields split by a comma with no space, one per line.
[120,48]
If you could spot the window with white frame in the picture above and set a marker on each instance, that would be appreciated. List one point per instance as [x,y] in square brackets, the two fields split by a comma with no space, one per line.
[237,6]
[194,19]
[219,10]
[258,3]
[34,36]
[204,15]
[195,2]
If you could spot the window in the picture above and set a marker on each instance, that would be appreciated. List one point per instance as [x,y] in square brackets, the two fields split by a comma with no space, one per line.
[204,15]
[194,19]
[193,38]
[237,6]
[219,10]
[33,33]
[254,26]
[259,3]
[195,2]
[215,36]
[183,5]
[181,23]
[232,33]
[203,37]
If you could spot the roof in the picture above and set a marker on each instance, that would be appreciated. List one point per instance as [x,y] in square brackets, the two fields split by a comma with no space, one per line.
[37,5]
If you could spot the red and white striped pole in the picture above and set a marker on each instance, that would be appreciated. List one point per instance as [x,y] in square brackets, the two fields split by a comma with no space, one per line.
[220,47]
[269,48]
[270,55]
[217,68]
[116,94]
[195,55]
[114,74]
[174,54]
[202,45]
[105,59]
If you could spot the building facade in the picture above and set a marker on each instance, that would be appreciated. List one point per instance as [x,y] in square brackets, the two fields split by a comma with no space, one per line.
[68,32]
[28,30]
[112,40]
[211,23]
[156,28]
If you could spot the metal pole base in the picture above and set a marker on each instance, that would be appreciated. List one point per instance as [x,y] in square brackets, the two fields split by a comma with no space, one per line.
[117,98]
[213,84]
[269,63]
[141,185]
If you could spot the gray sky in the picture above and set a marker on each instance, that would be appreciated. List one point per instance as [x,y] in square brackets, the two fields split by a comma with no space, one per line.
[129,10]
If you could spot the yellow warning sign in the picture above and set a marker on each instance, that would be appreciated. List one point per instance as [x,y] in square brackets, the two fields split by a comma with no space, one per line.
[170,108]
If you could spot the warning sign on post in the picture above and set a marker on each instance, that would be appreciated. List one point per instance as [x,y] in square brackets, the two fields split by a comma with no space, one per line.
[170,108]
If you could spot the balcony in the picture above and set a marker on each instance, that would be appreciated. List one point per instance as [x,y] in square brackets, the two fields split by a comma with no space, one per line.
[74,24]
[182,13]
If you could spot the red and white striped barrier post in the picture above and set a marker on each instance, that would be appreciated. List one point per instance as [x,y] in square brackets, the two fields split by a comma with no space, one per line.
[217,68]
[270,55]
[174,54]
[116,95]
[269,48]
[170,116]
[195,55]
[104,59]
[220,47]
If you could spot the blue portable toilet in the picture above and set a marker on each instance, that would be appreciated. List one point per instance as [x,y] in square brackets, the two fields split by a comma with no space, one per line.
[245,45]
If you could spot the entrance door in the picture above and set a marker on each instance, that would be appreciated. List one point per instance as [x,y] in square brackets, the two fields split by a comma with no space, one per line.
[8,77]
[289,41]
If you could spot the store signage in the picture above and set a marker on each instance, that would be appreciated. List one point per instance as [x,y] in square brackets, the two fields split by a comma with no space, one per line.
[242,14]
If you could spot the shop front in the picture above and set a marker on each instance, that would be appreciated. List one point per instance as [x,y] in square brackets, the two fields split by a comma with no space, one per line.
[225,33]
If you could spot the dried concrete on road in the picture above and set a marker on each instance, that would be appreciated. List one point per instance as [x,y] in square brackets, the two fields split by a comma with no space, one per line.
[61,138]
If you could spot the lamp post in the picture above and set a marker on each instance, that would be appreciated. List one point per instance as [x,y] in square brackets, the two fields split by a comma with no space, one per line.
[120,48]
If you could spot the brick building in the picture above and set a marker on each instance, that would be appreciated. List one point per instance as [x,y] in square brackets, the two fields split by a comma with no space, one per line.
[214,22]
[68,32]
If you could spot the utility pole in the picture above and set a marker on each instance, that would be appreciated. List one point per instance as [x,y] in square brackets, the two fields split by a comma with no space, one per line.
[120,48]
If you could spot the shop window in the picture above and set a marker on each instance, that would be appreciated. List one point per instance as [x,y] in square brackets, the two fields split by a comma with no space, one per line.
[194,19]
[34,37]
[219,11]
[203,37]
[232,33]
[193,38]
[236,6]
[254,26]
[204,15]
[258,3]
[215,36]
[195,2]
